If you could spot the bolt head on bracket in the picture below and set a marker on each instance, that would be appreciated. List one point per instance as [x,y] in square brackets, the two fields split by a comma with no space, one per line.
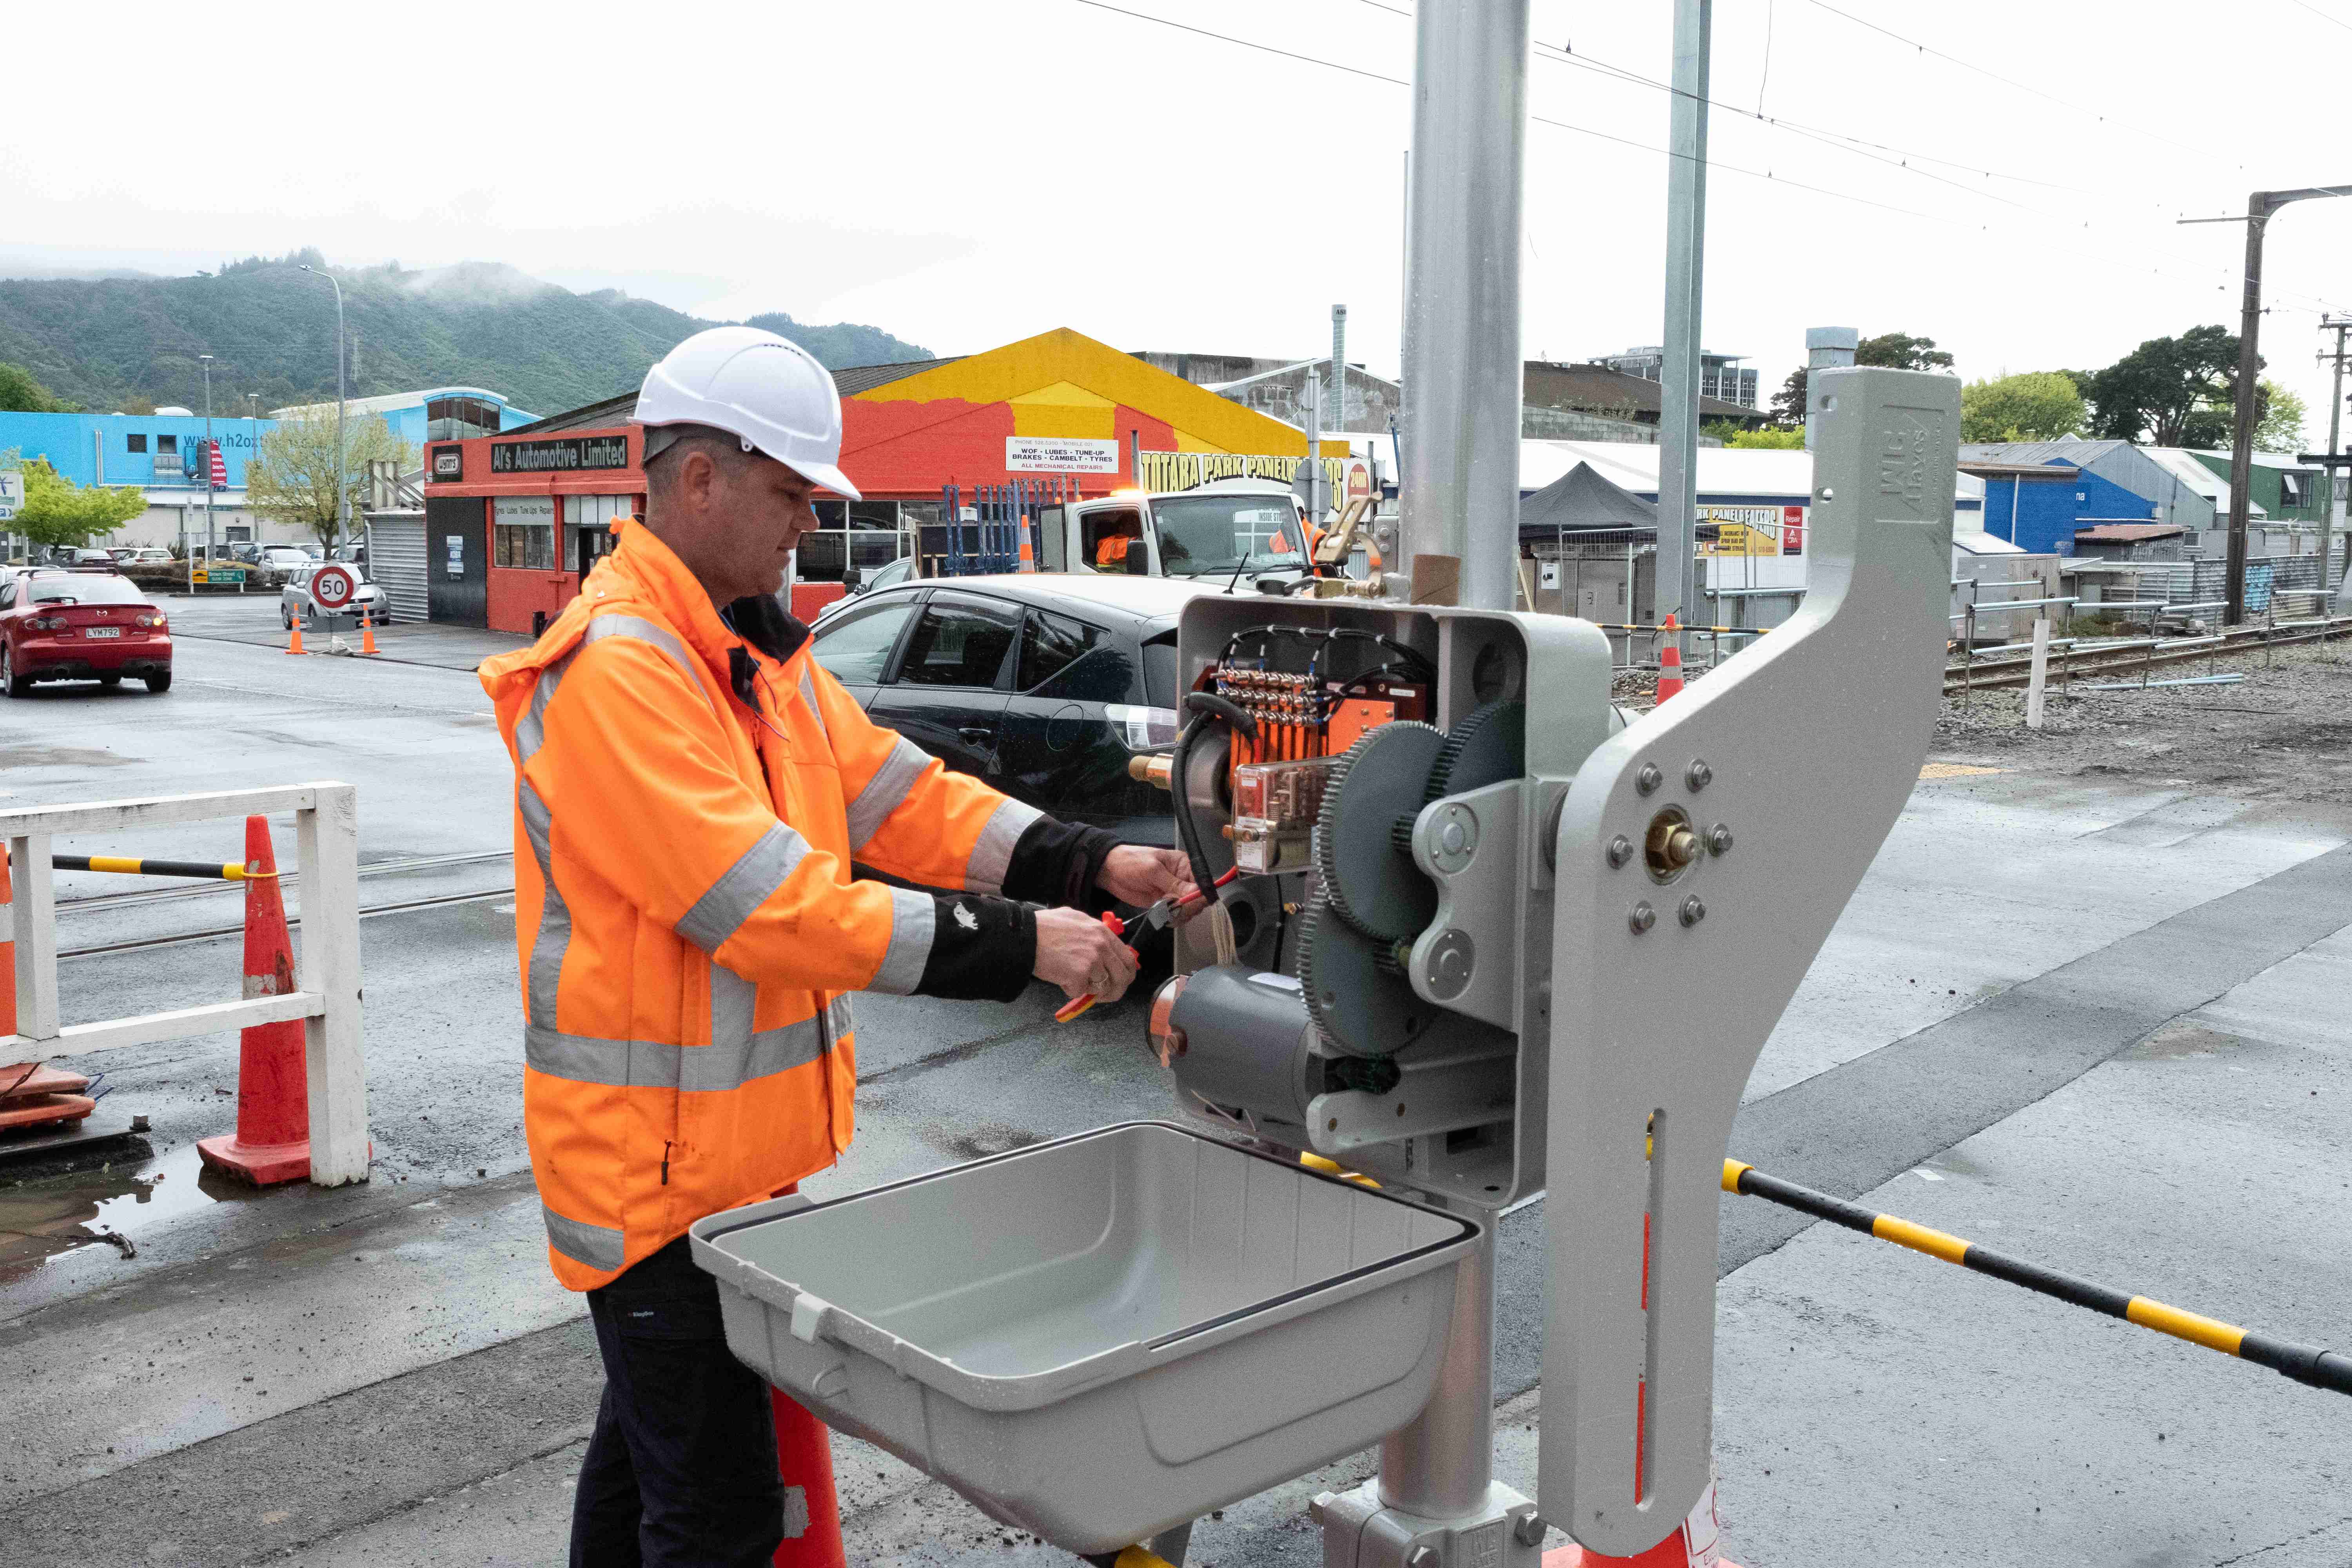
[1643,918]
[1698,775]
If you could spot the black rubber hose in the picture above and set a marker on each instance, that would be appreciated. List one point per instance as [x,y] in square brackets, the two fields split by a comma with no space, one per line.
[1188,831]
[1232,712]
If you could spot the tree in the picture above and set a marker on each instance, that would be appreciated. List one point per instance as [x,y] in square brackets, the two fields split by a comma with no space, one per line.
[1901,351]
[2170,391]
[293,478]
[1767,439]
[1891,350]
[2278,425]
[20,394]
[2033,406]
[58,511]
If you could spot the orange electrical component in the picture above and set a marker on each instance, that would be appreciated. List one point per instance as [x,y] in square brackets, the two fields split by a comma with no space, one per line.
[1353,717]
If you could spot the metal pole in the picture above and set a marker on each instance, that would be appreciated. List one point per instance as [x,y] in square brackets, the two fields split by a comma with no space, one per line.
[2336,478]
[1678,377]
[207,360]
[1438,1466]
[2241,439]
[1460,471]
[342,488]
[1338,371]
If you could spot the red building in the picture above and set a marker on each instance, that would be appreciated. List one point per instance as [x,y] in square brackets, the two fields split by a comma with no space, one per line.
[513,521]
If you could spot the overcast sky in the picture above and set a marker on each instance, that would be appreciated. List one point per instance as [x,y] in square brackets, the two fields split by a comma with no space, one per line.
[963,174]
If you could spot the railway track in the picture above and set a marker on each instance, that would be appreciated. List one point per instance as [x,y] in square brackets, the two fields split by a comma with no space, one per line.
[2138,656]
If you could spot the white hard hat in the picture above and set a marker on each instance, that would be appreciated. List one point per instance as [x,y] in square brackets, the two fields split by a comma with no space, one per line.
[766,391]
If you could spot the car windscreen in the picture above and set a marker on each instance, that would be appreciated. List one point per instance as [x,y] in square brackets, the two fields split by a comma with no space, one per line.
[95,589]
[1207,534]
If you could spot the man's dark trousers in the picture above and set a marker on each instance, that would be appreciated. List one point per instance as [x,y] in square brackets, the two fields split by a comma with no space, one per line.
[682,1467]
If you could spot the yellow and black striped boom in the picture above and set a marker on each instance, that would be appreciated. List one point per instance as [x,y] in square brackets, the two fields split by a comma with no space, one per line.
[2305,1363]
[131,866]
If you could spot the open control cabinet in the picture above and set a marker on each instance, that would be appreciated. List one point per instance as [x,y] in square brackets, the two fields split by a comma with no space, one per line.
[1392,939]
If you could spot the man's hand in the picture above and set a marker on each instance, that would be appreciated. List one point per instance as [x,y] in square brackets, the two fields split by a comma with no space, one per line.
[1076,952]
[1134,875]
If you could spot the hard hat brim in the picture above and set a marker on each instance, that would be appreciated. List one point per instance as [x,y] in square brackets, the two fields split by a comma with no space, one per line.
[828,477]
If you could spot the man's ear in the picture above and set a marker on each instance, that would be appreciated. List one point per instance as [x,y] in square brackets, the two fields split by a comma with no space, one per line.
[698,478]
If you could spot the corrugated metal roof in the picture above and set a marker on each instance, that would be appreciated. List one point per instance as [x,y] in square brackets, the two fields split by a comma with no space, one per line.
[602,416]
[2126,532]
[854,379]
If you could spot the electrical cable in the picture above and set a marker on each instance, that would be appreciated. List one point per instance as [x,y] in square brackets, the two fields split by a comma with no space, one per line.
[2323,16]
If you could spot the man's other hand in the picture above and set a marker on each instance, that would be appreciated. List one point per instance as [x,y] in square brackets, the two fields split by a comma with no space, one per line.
[1076,952]
[1135,875]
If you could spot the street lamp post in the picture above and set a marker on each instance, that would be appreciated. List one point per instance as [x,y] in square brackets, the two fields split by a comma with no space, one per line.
[342,478]
[207,360]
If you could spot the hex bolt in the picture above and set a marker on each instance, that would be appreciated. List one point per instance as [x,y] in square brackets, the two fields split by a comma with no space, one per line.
[1644,917]
[1718,838]
[1698,775]
[1649,778]
[1529,1528]
[1621,849]
[1693,911]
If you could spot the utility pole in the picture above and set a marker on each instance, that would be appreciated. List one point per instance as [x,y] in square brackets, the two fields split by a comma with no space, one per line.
[1338,368]
[2331,516]
[342,479]
[207,360]
[1685,266]
[2259,205]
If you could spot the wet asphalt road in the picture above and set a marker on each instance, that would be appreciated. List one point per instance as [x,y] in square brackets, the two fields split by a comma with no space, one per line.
[2096,1022]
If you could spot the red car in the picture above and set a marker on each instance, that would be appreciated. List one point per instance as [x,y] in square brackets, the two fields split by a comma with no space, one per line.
[80,626]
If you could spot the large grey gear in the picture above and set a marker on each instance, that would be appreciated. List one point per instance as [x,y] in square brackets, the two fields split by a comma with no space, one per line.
[1367,881]
[1488,747]
[1362,1004]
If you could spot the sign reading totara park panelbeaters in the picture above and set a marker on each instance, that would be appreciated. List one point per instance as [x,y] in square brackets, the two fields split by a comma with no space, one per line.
[560,456]
[1060,455]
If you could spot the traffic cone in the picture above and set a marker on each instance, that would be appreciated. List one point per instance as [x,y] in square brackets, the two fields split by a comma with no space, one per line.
[294,635]
[1670,660]
[1028,561]
[7,951]
[1693,1543]
[272,1141]
[812,1513]
[367,630]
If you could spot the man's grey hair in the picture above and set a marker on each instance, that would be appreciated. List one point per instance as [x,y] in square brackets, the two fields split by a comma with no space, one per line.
[667,445]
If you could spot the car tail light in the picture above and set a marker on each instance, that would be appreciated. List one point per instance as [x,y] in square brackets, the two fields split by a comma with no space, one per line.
[157,621]
[1141,727]
[46,623]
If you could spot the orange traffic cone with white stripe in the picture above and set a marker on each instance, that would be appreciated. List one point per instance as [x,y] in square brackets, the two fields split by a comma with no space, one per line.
[804,1463]
[1670,660]
[7,951]
[272,1140]
[1028,561]
[294,633]
[367,630]
[1693,1544]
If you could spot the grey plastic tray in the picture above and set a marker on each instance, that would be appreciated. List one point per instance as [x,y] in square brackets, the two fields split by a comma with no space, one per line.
[1102,1336]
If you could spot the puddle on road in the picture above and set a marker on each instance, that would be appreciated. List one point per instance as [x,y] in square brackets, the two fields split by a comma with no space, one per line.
[40,1220]
[33,756]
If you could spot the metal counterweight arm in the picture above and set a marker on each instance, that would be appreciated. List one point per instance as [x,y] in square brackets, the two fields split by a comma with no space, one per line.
[2305,1363]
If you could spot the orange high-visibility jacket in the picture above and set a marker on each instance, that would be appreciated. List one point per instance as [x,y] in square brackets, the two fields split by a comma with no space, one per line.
[685,917]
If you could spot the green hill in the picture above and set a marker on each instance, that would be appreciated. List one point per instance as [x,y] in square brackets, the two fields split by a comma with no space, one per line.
[270,327]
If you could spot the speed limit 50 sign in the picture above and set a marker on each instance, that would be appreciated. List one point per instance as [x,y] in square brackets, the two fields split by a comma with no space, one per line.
[332,587]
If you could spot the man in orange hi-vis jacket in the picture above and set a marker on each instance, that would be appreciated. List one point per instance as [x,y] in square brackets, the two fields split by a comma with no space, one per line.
[692,788]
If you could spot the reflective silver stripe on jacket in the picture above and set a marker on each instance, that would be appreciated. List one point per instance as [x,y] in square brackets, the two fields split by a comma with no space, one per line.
[836,1012]
[646,631]
[713,1068]
[743,888]
[993,854]
[914,917]
[808,695]
[594,1245]
[886,792]
[554,939]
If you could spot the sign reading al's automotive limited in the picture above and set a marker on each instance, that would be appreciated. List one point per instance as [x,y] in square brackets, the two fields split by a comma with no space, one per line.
[1060,455]
[562,456]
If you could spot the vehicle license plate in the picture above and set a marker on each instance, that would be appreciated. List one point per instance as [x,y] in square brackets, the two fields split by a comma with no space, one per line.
[102,631]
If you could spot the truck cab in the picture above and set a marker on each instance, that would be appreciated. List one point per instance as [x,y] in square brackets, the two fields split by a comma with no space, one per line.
[1249,528]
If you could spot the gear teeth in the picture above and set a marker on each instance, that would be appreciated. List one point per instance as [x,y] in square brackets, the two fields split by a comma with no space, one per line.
[1326,850]
[1497,725]
[1309,924]
[1389,959]
[1400,835]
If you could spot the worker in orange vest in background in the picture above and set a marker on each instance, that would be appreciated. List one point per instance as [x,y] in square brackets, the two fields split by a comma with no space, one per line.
[691,787]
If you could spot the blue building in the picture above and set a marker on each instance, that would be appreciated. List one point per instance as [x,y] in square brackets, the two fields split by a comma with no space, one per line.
[161,453]
[2037,493]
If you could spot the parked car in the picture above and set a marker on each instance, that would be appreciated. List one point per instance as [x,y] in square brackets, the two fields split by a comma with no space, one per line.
[82,556]
[283,557]
[248,552]
[153,555]
[121,552]
[294,600]
[355,551]
[80,626]
[1043,685]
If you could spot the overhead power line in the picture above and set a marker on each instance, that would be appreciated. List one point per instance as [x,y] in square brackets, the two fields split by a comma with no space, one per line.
[1991,74]
[2323,16]
[1536,119]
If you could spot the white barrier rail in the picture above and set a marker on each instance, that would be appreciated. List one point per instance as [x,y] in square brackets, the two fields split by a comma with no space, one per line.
[326,832]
